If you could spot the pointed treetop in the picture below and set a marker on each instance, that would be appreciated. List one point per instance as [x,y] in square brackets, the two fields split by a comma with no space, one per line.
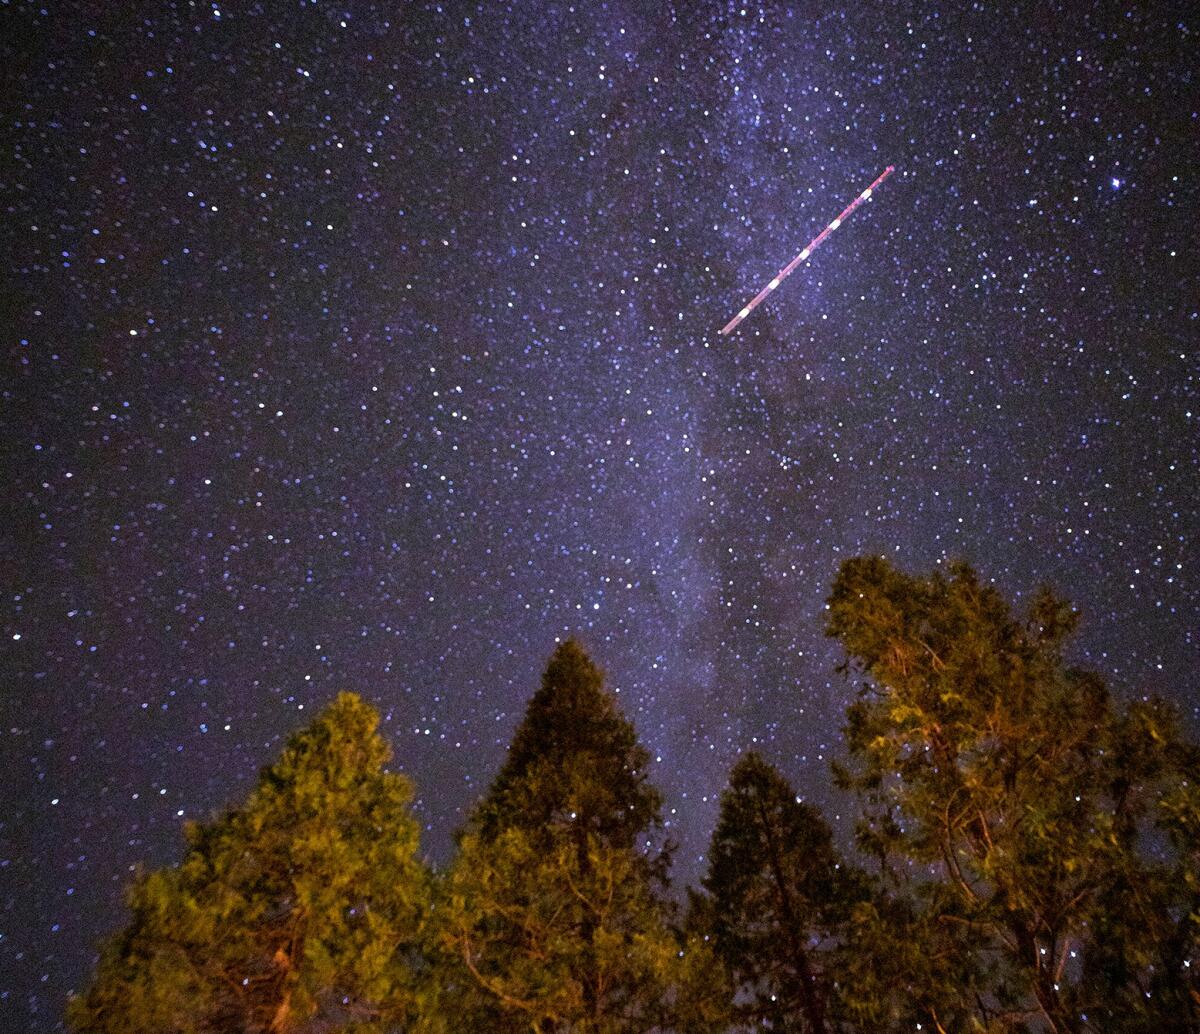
[292,910]
[330,755]
[762,822]
[572,711]
[574,756]
[775,891]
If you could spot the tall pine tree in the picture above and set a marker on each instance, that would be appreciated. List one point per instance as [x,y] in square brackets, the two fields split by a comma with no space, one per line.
[552,916]
[297,911]
[776,899]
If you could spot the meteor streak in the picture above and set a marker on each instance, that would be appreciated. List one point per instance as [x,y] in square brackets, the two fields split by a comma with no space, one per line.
[812,246]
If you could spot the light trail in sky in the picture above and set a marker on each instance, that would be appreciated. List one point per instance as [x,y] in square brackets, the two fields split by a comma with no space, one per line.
[812,246]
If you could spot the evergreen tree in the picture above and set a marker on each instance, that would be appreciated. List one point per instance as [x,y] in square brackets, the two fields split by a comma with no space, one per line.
[984,759]
[777,896]
[297,911]
[574,750]
[552,917]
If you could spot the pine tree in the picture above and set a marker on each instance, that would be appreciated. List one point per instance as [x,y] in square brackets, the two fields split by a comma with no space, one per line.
[552,916]
[297,911]
[574,750]
[985,760]
[777,898]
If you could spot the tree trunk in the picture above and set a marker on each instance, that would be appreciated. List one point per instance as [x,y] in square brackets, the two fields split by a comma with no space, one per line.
[1060,1021]
[587,928]
[811,999]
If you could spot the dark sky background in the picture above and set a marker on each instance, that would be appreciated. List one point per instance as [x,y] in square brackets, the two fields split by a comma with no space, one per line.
[374,347]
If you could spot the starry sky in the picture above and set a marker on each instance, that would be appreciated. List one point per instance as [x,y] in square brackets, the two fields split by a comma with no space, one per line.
[373,347]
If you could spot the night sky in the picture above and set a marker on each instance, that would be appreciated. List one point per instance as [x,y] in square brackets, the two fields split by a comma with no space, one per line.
[375,347]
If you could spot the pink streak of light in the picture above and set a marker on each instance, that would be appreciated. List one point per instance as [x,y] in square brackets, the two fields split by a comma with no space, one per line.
[812,246]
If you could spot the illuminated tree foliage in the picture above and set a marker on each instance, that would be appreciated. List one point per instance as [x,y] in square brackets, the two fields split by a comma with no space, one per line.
[551,917]
[298,911]
[1008,797]
[1028,863]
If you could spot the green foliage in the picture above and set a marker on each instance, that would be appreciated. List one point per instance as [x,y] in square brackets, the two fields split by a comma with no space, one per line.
[985,761]
[573,753]
[906,965]
[1032,852]
[552,918]
[547,941]
[296,911]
